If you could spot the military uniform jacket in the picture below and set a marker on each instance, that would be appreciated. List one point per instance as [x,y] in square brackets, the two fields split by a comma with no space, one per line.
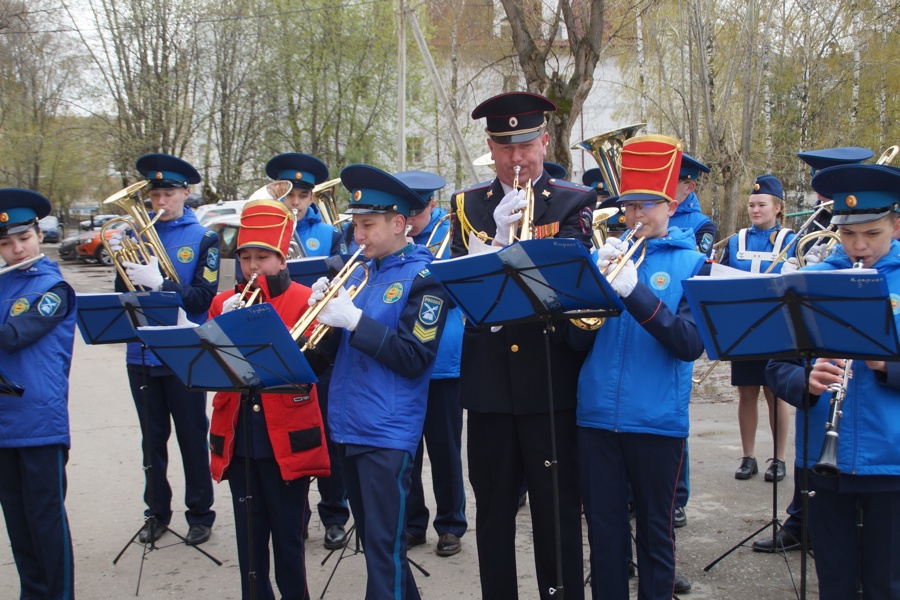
[504,372]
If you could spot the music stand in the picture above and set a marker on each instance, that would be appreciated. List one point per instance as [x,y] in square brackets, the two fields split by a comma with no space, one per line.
[8,387]
[803,315]
[246,351]
[542,281]
[113,319]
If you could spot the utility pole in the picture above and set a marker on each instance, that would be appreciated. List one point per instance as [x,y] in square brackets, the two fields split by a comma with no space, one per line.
[401,90]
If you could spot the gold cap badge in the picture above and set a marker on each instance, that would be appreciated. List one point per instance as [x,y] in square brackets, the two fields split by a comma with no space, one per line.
[851,201]
[357,195]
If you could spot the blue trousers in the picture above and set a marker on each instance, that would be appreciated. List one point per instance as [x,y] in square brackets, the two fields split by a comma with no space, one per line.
[377,481]
[278,515]
[443,435]
[32,494]
[683,491]
[168,401]
[609,461]
[846,553]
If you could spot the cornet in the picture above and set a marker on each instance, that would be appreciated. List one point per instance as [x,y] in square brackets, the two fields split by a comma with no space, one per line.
[527,230]
[249,294]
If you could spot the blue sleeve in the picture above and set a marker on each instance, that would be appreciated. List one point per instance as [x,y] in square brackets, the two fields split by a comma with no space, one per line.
[412,347]
[336,239]
[197,294]
[787,380]
[676,331]
[27,328]
[890,378]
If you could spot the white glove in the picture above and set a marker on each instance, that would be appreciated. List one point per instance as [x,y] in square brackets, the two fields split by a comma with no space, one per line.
[505,215]
[496,328]
[611,250]
[341,312]
[183,320]
[816,254]
[115,242]
[318,290]
[231,304]
[146,276]
[626,280]
[790,265]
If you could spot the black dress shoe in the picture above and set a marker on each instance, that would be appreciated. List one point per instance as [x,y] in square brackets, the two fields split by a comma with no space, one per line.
[682,585]
[414,540]
[679,517]
[151,531]
[335,537]
[448,545]
[784,539]
[197,534]
[776,469]
[748,468]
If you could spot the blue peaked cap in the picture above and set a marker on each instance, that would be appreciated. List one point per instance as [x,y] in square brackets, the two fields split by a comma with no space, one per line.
[167,171]
[423,183]
[556,171]
[302,170]
[861,193]
[20,209]
[832,157]
[375,191]
[593,178]
[691,168]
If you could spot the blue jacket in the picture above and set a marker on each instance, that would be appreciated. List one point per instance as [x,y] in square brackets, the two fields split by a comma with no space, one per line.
[319,238]
[637,376]
[379,388]
[194,252]
[37,330]
[689,216]
[436,215]
[870,426]
[758,240]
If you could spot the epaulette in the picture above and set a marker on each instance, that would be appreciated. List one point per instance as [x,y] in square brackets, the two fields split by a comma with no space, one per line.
[424,273]
[569,185]
[477,186]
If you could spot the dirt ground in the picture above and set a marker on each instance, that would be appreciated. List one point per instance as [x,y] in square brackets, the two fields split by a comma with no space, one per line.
[105,507]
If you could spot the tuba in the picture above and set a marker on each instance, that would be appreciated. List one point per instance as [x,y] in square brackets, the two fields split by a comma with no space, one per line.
[145,243]
[325,198]
[607,149]
[308,320]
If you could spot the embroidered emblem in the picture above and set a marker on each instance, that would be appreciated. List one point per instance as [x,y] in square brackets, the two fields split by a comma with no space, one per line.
[895,303]
[19,306]
[393,293]
[210,275]
[424,273]
[185,254]
[48,304]
[706,242]
[312,244]
[430,309]
[660,280]
[212,258]
[586,218]
[424,334]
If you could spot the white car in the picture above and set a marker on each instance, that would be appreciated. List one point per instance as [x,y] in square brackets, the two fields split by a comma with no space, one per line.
[208,212]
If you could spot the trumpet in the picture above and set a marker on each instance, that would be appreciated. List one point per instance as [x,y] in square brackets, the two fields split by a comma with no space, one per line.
[334,287]
[249,294]
[527,231]
[145,243]
[21,265]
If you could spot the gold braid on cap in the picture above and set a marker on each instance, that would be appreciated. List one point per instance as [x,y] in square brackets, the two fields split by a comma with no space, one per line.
[464,225]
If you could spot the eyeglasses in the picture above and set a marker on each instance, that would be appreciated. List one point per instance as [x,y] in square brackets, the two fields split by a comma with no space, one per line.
[642,206]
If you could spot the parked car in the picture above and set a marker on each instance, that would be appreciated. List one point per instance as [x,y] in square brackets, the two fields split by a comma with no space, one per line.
[90,249]
[67,247]
[208,212]
[51,229]
[95,222]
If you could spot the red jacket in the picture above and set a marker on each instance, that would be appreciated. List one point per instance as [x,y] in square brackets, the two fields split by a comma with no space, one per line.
[294,421]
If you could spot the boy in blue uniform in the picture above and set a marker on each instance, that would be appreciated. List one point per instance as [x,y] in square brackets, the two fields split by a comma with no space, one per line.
[385,356]
[194,252]
[317,238]
[688,215]
[37,330]
[443,419]
[631,428]
[853,517]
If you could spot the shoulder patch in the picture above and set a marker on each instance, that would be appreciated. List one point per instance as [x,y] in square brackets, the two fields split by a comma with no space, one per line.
[586,218]
[212,259]
[424,273]
[210,275]
[706,243]
[48,304]
[208,233]
[568,185]
[19,306]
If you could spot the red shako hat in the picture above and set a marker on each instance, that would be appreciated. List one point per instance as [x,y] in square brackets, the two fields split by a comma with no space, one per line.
[266,224]
[649,168]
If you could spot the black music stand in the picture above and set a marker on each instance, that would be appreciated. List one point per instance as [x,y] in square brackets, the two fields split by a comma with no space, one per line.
[802,315]
[541,281]
[8,387]
[246,351]
[113,319]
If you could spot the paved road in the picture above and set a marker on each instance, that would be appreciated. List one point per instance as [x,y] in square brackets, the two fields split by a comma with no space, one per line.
[105,507]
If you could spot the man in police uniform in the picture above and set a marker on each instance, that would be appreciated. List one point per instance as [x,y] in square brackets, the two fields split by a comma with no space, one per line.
[159,395]
[317,238]
[688,214]
[502,380]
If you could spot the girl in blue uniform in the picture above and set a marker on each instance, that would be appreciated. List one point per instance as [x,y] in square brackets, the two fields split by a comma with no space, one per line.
[37,329]
[753,250]
[854,518]
[631,427]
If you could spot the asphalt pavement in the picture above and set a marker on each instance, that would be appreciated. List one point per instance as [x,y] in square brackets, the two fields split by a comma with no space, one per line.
[105,507]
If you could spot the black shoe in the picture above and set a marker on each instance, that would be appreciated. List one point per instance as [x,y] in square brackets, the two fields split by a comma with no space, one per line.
[335,537]
[784,539]
[197,534]
[682,585]
[448,545]
[413,540]
[776,469]
[748,468]
[679,517]
[151,531]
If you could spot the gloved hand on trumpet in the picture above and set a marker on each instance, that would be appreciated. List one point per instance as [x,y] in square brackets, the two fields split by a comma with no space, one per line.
[626,280]
[231,303]
[340,311]
[507,213]
[609,252]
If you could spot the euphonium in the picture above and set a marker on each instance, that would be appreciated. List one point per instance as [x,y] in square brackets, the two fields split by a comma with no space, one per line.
[278,191]
[606,148]
[145,243]
[324,195]
[600,227]
[438,247]
[334,287]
